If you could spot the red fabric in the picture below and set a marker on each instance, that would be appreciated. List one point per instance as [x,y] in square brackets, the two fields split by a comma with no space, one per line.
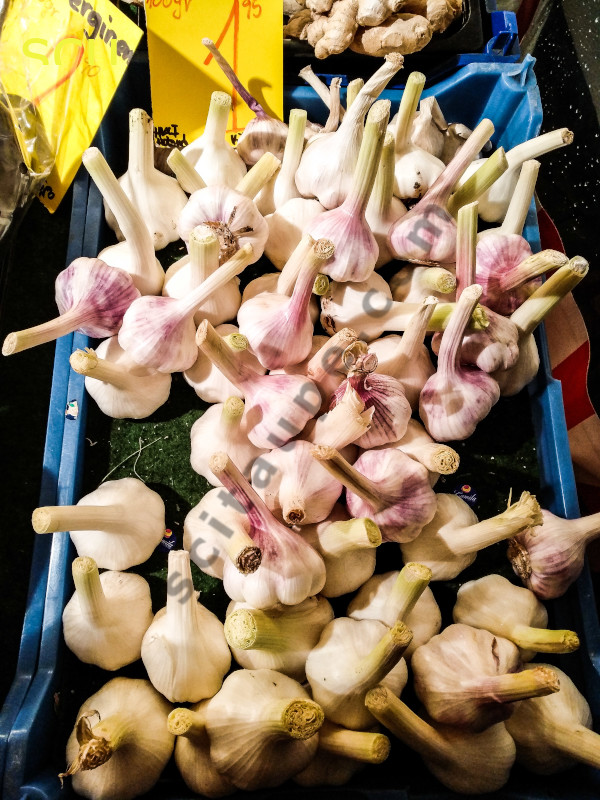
[525,14]
[572,373]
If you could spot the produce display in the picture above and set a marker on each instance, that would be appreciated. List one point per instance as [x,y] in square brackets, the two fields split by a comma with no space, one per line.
[335,397]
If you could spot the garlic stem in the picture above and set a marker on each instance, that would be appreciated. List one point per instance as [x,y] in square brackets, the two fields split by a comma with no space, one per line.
[235,483]
[217,350]
[466,246]
[437,457]
[250,101]
[16,341]
[383,188]
[291,269]
[90,594]
[185,172]
[544,640]
[368,159]
[373,667]
[407,110]
[449,352]
[537,146]
[535,265]
[97,744]
[87,363]
[258,175]
[412,338]
[252,629]
[406,725]
[351,478]
[480,181]
[49,519]
[236,342]
[348,535]
[335,108]
[399,315]
[185,722]
[292,152]
[141,143]
[352,91]
[410,584]
[512,686]
[368,748]
[533,310]
[241,550]
[518,208]
[204,249]
[328,359]
[181,598]
[320,254]
[578,742]
[298,719]
[321,90]
[523,514]
[215,128]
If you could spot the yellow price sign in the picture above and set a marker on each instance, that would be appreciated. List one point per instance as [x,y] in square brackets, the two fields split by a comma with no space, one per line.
[183,74]
[65,58]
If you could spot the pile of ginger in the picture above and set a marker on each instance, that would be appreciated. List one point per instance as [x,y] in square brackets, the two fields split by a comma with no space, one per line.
[369,27]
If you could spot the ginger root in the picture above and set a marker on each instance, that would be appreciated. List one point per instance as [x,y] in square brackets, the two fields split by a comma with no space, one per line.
[402,33]
[297,24]
[332,33]
[374,12]
[440,13]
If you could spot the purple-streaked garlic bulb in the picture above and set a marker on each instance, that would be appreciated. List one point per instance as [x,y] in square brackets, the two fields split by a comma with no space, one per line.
[549,556]
[208,381]
[263,134]
[356,248]
[383,393]
[92,298]
[451,540]
[217,530]
[290,569]
[383,209]
[402,595]
[427,234]
[295,487]
[159,332]
[279,328]
[222,427]
[277,406]
[457,397]
[386,486]
[470,678]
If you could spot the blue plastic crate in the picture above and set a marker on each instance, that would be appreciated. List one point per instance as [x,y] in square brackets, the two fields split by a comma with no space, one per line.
[507,93]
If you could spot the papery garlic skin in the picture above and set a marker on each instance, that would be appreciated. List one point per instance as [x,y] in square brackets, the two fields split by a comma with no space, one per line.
[122,755]
[351,657]
[184,649]
[278,638]
[262,727]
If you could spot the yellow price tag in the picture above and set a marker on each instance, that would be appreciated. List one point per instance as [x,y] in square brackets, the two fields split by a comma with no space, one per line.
[183,74]
[66,57]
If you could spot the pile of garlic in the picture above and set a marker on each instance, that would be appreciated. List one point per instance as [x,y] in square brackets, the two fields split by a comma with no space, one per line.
[317,459]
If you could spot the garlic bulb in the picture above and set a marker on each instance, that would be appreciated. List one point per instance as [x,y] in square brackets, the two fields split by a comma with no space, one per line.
[290,570]
[157,197]
[344,424]
[415,169]
[351,657]
[549,555]
[282,186]
[216,530]
[327,165]
[383,393]
[192,752]
[386,486]
[279,328]
[296,489]
[277,406]
[278,638]
[465,762]
[91,298]
[554,732]
[210,154]
[427,234]
[450,541]
[520,202]
[356,249]
[348,547]
[135,254]
[469,678]
[222,427]
[513,612]
[120,387]
[119,524]
[341,754]
[456,398]
[429,127]
[124,753]
[402,595]
[184,649]
[383,208]
[439,459]
[262,728]
[94,625]
[208,381]
[286,226]
[159,332]
[189,272]
[413,283]
[263,133]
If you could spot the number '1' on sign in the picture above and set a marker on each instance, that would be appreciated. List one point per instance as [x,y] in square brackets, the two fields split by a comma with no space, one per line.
[183,74]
